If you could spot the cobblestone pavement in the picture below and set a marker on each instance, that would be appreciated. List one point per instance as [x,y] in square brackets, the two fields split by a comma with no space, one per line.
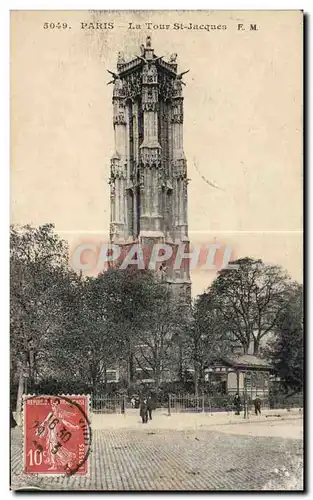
[160,459]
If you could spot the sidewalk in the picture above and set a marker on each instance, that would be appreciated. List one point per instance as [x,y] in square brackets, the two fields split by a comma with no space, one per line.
[184,421]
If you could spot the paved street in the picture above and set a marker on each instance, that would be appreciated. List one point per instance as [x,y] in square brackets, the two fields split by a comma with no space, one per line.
[224,457]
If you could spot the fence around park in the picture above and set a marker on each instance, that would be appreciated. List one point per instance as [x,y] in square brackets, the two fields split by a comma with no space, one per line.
[220,403]
[109,404]
[118,404]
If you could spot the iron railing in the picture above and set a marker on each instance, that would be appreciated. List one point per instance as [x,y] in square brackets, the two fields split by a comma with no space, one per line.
[104,404]
[119,404]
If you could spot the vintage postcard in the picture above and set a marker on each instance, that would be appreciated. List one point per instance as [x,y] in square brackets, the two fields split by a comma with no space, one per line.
[156,250]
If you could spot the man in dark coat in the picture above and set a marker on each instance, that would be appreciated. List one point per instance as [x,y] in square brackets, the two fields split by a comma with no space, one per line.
[257,406]
[237,403]
[144,411]
[151,406]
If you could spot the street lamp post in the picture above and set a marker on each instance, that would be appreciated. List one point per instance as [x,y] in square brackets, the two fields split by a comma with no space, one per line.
[247,382]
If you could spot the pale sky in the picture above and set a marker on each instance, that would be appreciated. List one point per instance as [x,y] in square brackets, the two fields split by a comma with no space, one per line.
[242,125]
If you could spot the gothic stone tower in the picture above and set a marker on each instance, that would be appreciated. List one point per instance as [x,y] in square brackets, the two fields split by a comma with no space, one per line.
[148,168]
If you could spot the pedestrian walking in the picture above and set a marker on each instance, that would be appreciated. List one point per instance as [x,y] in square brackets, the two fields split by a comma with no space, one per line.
[144,411]
[237,404]
[151,406]
[133,402]
[257,406]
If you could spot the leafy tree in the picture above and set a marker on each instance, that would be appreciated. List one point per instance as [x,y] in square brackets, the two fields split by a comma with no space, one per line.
[38,273]
[204,341]
[286,351]
[114,313]
[246,302]
[126,294]
[157,347]
[38,277]
[90,344]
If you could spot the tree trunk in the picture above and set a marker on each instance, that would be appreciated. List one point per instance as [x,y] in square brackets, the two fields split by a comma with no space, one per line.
[94,383]
[130,369]
[105,378]
[196,379]
[20,392]
[31,364]
[201,377]
[256,346]
[245,348]
[180,361]
[157,378]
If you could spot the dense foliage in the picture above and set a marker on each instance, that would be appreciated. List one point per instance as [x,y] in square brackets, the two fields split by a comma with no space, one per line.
[68,331]
[286,350]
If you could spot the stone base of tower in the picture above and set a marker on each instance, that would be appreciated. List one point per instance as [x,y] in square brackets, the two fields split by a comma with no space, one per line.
[181,290]
[150,238]
[150,258]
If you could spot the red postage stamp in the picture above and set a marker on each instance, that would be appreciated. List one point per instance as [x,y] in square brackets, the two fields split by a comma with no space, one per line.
[57,434]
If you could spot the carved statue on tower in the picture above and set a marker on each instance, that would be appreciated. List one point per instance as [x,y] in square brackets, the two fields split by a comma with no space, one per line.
[173,58]
[120,58]
[118,87]
[177,87]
